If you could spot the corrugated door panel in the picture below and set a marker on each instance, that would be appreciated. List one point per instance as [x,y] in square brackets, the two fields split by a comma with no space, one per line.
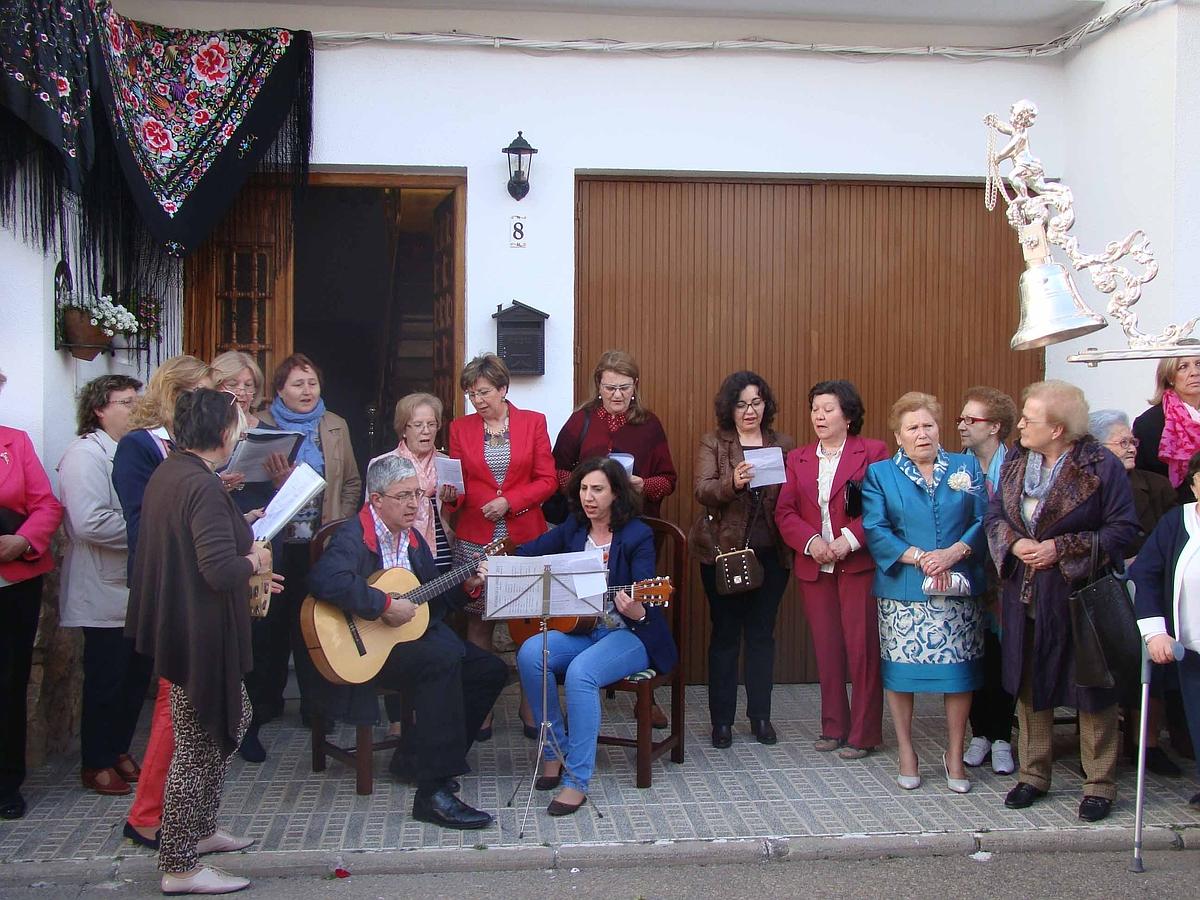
[895,286]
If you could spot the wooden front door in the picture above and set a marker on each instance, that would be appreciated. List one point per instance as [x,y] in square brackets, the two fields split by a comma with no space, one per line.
[894,287]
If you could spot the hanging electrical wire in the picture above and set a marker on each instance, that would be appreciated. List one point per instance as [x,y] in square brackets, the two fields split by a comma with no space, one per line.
[330,40]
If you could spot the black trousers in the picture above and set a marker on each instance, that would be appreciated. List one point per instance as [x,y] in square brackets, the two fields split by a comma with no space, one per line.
[451,685]
[21,603]
[747,618]
[275,636]
[992,707]
[115,680]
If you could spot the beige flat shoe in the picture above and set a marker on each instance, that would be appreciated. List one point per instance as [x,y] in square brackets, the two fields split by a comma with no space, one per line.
[206,880]
[221,841]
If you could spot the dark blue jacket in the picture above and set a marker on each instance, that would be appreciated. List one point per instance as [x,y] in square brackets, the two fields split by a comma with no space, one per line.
[340,577]
[1153,572]
[134,462]
[630,559]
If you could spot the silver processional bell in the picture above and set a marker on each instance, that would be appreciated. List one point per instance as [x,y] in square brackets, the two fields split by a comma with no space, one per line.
[1051,308]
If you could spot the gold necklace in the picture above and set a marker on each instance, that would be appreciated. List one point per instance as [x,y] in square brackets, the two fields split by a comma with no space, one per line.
[497,438]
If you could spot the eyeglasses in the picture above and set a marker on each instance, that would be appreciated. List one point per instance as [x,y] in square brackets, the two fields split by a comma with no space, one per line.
[971,420]
[403,496]
[1031,421]
[1129,443]
[422,426]
[232,395]
[480,395]
[611,389]
[247,389]
[127,402]
[756,404]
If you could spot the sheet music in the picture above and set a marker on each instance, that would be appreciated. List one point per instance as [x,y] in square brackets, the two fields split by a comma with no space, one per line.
[449,471]
[302,485]
[577,585]
[250,455]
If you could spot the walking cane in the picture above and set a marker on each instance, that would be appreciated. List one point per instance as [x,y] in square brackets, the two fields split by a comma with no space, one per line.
[1143,719]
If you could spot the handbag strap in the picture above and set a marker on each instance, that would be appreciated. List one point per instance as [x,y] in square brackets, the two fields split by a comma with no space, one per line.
[1095,557]
[753,517]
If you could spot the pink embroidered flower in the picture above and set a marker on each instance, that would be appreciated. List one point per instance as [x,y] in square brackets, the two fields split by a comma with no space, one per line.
[170,207]
[64,86]
[201,117]
[115,41]
[157,137]
[126,94]
[66,117]
[285,38]
[211,62]
[228,130]
[162,89]
[43,96]
[157,49]
[177,128]
[191,98]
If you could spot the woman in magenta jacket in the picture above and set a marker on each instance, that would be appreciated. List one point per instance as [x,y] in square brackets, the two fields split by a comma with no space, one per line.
[819,514]
[29,516]
[508,473]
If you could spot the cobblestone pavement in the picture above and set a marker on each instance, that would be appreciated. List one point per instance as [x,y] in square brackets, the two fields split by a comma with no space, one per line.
[750,790]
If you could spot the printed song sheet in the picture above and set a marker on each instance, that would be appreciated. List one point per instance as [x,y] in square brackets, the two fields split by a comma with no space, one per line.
[302,485]
[449,471]
[577,585]
[768,466]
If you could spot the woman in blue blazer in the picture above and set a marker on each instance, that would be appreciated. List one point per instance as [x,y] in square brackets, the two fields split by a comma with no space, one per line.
[1167,575]
[628,638]
[923,516]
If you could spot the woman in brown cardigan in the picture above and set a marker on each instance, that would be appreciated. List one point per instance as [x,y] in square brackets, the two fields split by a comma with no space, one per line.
[189,610]
[734,514]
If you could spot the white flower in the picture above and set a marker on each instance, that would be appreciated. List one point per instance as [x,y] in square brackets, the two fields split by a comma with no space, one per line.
[109,317]
[961,481]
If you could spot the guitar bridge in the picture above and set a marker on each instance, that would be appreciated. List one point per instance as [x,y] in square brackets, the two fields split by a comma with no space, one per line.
[358,641]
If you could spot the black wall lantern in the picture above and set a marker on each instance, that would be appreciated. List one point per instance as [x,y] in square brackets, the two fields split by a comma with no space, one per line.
[518,178]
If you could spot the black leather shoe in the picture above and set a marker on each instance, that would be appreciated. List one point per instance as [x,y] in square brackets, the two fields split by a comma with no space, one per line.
[1159,763]
[251,748]
[136,836]
[558,808]
[722,736]
[764,731]
[442,808]
[1093,809]
[12,807]
[1023,795]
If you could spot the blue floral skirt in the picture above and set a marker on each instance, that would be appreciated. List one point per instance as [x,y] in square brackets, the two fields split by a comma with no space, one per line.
[932,645]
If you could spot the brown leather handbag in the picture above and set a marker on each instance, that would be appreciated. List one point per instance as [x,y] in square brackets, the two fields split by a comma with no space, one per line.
[739,571]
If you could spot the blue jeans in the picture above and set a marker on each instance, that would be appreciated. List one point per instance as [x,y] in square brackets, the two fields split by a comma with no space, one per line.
[590,661]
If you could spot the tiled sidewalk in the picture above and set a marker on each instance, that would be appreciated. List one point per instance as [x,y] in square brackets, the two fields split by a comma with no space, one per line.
[750,790]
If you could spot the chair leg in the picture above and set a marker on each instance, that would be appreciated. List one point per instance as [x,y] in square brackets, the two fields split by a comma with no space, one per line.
[364,759]
[317,724]
[677,720]
[645,734]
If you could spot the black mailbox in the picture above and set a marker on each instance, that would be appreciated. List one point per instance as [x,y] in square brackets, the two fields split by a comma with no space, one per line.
[521,338]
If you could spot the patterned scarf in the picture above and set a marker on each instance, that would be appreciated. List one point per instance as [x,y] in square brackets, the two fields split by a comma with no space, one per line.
[1180,437]
[427,481]
[305,423]
[1038,485]
[909,468]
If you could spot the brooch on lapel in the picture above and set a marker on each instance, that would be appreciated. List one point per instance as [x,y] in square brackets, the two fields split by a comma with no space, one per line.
[4,456]
[961,481]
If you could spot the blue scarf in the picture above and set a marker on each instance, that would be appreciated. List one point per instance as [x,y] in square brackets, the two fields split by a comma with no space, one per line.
[306,424]
[909,468]
[1036,485]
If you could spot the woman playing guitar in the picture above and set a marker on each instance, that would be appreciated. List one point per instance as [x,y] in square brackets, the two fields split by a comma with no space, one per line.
[629,636]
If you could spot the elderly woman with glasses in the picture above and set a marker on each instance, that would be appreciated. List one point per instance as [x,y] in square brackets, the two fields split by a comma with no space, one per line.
[1059,492]
[508,473]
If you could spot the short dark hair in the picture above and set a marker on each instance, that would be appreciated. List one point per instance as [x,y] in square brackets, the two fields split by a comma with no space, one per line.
[93,397]
[202,417]
[1193,468]
[283,371]
[627,503]
[847,397]
[727,396]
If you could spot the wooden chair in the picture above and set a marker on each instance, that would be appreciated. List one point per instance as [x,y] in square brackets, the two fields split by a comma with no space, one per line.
[672,560]
[361,757]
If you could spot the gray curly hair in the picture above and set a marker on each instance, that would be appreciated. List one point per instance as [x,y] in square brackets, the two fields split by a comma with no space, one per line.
[386,471]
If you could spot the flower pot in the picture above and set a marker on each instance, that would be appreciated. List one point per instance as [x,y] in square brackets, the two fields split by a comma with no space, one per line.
[83,339]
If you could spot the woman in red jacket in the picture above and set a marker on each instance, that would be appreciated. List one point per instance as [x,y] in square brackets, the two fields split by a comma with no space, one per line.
[29,516]
[819,514]
[508,473]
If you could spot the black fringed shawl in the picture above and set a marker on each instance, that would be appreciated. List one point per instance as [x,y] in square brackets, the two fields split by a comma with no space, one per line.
[154,129]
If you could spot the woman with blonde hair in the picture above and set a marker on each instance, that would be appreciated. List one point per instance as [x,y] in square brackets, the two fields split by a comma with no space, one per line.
[239,373]
[138,454]
[1061,494]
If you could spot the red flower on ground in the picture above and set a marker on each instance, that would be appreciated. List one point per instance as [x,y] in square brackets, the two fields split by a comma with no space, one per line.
[157,137]
[211,62]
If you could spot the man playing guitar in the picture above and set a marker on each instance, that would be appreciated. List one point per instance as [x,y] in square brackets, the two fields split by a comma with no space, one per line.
[451,685]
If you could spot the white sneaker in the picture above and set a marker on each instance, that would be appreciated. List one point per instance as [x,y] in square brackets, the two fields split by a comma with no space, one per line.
[206,880]
[977,752]
[1002,758]
[221,841]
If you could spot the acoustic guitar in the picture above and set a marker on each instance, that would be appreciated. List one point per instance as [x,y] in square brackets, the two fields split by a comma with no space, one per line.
[347,649]
[650,592]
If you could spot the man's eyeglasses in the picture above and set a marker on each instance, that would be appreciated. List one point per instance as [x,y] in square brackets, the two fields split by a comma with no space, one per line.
[611,389]
[971,420]
[403,496]
[743,405]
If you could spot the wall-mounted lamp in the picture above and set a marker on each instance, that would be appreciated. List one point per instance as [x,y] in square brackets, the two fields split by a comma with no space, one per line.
[518,178]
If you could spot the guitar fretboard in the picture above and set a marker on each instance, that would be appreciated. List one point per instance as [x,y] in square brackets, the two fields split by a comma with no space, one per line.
[442,583]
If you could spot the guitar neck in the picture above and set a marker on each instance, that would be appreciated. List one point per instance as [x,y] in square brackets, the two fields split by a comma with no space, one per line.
[442,583]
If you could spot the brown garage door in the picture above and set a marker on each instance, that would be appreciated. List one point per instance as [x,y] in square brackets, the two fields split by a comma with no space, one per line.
[896,287]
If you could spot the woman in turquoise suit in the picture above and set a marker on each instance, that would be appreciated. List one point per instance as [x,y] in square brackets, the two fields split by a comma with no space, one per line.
[923,515]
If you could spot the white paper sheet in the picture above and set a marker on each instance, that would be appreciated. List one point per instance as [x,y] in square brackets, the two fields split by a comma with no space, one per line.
[449,471]
[625,459]
[250,455]
[768,466]
[302,485]
[577,585]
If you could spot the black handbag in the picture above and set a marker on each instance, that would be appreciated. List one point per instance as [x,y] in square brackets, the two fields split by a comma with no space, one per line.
[1108,650]
[852,502]
[556,508]
[739,571]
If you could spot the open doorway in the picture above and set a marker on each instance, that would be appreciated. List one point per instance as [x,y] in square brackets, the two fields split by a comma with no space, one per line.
[365,288]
